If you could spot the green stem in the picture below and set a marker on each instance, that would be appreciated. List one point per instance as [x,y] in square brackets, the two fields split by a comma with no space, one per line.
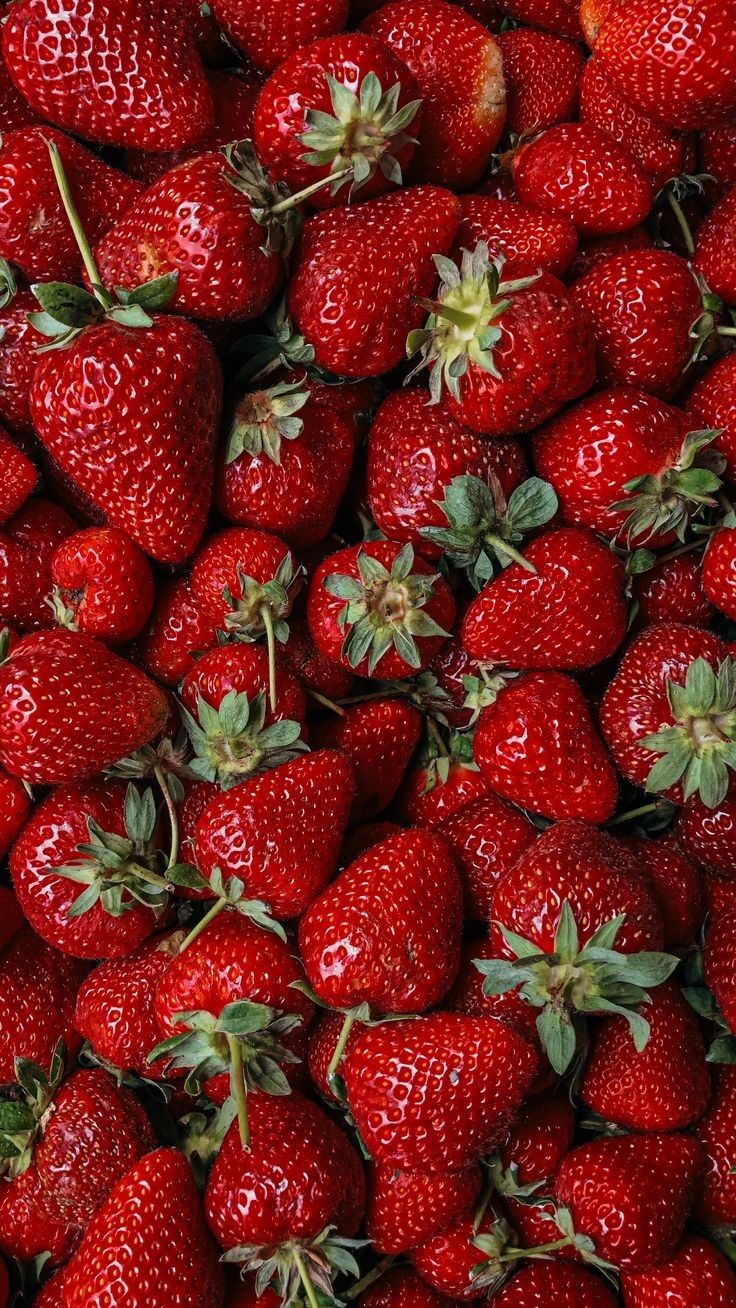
[682,223]
[483,1201]
[237,1081]
[632,813]
[267,620]
[498,544]
[151,878]
[371,1277]
[334,1062]
[325,702]
[726,331]
[434,731]
[75,222]
[202,925]
[681,549]
[305,1278]
[158,773]
[539,1249]
[283,206]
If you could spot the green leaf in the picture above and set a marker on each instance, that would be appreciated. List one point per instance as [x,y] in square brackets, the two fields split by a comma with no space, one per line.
[68,305]
[531,504]
[566,936]
[152,295]
[244,1017]
[558,1038]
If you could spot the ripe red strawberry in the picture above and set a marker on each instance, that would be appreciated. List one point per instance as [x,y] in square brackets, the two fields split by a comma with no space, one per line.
[486,837]
[270,31]
[233,581]
[285,464]
[52,1292]
[568,612]
[402,1288]
[457,65]
[678,888]
[599,248]
[672,591]
[576,170]
[116,708]
[714,248]
[319,675]
[353,296]
[19,341]
[148,1242]
[658,150]
[623,463]
[323,1040]
[406,1208]
[467,1259]
[18,475]
[528,239]
[379,610]
[280,833]
[12,918]
[379,738]
[437,1122]
[543,1282]
[525,1167]
[32,1223]
[717,150]
[719,959]
[28,542]
[541,73]
[121,76]
[559,16]
[708,835]
[657,711]
[642,306]
[37,991]
[649,1181]
[15,110]
[15,806]
[178,630]
[537,746]
[300,1176]
[522,352]
[231,746]
[415,452]
[697,1276]
[716,1203]
[440,784]
[719,570]
[102,585]
[34,232]
[695,87]
[712,402]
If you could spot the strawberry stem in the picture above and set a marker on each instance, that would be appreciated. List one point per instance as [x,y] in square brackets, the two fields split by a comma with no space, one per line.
[75,222]
[271,643]
[371,1277]
[631,814]
[539,1249]
[291,201]
[305,1278]
[498,543]
[334,1062]
[237,1081]
[173,817]
[202,925]
[325,702]
[682,222]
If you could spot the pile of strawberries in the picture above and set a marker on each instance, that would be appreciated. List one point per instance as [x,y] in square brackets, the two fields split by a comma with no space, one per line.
[368,653]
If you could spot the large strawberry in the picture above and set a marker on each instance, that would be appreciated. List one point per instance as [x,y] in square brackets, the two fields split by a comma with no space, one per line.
[405,1208]
[38,986]
[123,74]
[271,30]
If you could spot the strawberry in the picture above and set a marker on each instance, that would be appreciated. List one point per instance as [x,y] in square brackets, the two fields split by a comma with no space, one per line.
[414,453]
[642,306]
[528,239]
[15,111]
[402,1288]
[716,1203]
[52,1293]
[275,1207]
[712,402]
[562,609]
[379,610]
[269,32]
[102,585]
[28,542]
[244,1294]
[241,579]
[438,1122]
[379,738]
[457,65]
[522,351]
[559,16]
[714,248]
[708,835]
[541,72]
[486,837]
[124,76]
[33,1224]
[554,1282]
[404,1209]
[15,806]
[719,581]
[672,591]
[697,1276]
[648,1180]
[19,476]
[678,888]
[338,108]
[688,91]
[323,1040]
[576,170]
[717,150]
[656,715]
[599,248]
[537,745]
[438,785]
[527,1163]
[658,150]
[625,464]
[342,261]
[720,966]
[178,630]
[19,341]
[280,833]
[244,670]
[468,1259]
[285,464]
[468,996]
[37,991]
[320,676]
[148,1242]
[34,233]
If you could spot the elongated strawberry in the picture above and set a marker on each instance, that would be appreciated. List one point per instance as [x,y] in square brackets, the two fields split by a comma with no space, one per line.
[178,630]
[37,993]
[697,1274]
[541,72]
[404,1209]
[486,837]
[270,31]
[529,240]
[28,542]
[379,738]
[102,585]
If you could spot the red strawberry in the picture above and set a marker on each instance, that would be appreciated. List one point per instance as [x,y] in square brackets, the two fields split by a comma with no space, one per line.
[523,351]
[19,341]
[528,239]
[379,610]
[280,833]
[468,996]
[285,464]
[37,990]
[244,670]
[678,888]
[694,87]
[34,232]
[457,65]
[719,570]
[642,306]
[559,16]
[402,1288]
[716,1131]
[178,630]
[543,1283]
[269,31]
[527,1163]
[323,1041]
[714,248]
[537,745]
[541,74]
[148,1242]
[438,785]
[708,835]
[599,248]
[15,806]
[19,476]
[102,585]
[718,151]
[32,1223]
[15,111]
[649,1181]
[319,675]
[672,591]
[121,76]
[468,1259]
[406,1208]
[436,1122]
[233,581]
[720,966]
[712,402]
[379,738]
[486,837]
[352,296]
[658,150]
[567,612]
[697,1276]
[28,542]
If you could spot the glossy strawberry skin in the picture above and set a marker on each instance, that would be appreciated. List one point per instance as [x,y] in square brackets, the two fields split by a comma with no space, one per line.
[342,261]
[569,613]
[658,150]
[541,72]
[244,669]
[257,554]
[708,835]
[457,65]
[677,882]
[433,1124]
[542,1282]
[379,739]
[402,1288]
[719,958]
[37,993]
[312,668]
[192,221]
[719,571]
[18,359]
[117,708]
[714,248]
[718,150]
[105,582]
[486,837]
[528,239]
[31,1222]
[672,591]
[716,1202]
[559,16]
[155,482]
[537,745]
[405,1208]
[712,403]
[697,1274]
[178,630]
[118,76]
[280,832]
[268,33]
[300,1175]
[18,475]
[15,806]
[426,799]
[28,541]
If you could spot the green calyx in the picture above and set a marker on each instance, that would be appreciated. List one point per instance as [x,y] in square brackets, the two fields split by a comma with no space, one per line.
[483,529]
[231,742]
[484,690]
[263,419]
[66,310]
[245,174]
[722,1047]
[204,1050]
[462,328]
[700,748]
[665,503]
[439,753]
[384,609]
[572,983]
[22,1116]
[363,131]
[169,758]
[260,606]
[300,1269]
[8,285]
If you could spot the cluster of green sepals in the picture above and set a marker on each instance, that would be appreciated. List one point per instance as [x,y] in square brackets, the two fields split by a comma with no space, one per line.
[22,1114]
[299,1267]
[663,503]
[260,606]
[700,748]
[264,418]
[363,131]
[231,742]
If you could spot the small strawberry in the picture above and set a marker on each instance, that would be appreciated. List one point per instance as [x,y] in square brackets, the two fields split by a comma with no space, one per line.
[52,1292]
[541,72]
[179,629]
[708,835]
[672,591]
[526,1165]
[678,888]
[714,249]
[402,1288]
[559,16]
[469,1259]
[270,31]
[404,1209]
[379,738]
[529,240]
[102,585]
[379,610]
[457,65]
[658,150]
[18,474]
[120,76]
[15,807]
[320,676]
[32,1224]
[486,838]
[697,1276]
[719,959]
[28,542]
[323,1040]
[537,745]
[712,402]
[719,569]
[38,986]
[439,783]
